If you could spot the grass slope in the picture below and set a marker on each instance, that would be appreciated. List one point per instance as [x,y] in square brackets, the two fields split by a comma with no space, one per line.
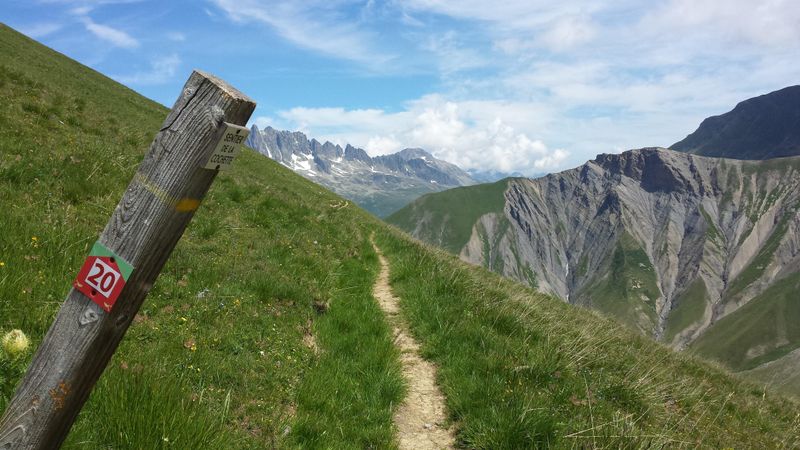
[216,357]
[453,213]
[630,289]
[691,305]
[763,330]
[228,351]
[383,204]
[781,373]
[523,370]
[756,267]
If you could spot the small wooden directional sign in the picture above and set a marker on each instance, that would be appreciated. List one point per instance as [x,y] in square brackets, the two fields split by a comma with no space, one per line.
[228,147]
[103,276]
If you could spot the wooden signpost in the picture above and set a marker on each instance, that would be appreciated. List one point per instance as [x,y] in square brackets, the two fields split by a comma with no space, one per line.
[199,136]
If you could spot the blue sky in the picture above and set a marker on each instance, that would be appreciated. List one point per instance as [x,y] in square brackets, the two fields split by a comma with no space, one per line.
[529,86]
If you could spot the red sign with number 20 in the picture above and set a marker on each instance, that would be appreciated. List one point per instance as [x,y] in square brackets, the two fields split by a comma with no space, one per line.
[101,280]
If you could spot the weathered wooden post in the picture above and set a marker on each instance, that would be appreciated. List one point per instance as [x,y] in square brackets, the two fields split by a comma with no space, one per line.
[198,137]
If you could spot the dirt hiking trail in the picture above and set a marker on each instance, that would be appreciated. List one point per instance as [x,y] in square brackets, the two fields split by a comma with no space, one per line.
[420,419]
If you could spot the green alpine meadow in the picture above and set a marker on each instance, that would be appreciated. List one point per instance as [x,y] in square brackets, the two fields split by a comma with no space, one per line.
[263,329]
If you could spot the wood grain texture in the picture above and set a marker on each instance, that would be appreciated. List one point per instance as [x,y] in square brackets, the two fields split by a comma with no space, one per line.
[143,229]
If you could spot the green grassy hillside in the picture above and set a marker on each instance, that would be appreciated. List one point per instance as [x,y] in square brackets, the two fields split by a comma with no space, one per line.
[229,351]
[630,289]
[453,212]
[383,204]
[767,323]
[222,352]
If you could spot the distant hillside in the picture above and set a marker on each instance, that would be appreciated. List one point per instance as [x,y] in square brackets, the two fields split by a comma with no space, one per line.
[763,127]
[381,185]
[490,176]
[262,330]
[694,251]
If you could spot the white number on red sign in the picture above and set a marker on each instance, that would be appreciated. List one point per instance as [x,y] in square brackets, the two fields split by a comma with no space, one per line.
[102,277]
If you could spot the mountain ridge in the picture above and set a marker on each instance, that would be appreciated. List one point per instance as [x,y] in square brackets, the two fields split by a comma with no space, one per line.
[380,184]
[763,127]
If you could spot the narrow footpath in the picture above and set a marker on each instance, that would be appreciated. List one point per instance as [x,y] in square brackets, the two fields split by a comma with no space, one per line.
[420,419]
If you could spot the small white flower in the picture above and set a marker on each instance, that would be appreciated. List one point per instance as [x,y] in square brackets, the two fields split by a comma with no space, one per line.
[15,343]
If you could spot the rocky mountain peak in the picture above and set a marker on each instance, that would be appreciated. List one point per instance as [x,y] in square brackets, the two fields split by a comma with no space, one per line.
[326,150]
[357,154]
[414,153]
[657,169]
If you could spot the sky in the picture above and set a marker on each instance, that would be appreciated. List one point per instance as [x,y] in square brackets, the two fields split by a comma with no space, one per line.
[528,86]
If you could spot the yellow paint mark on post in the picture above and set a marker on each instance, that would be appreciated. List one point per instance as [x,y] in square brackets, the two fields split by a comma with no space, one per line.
[185,204]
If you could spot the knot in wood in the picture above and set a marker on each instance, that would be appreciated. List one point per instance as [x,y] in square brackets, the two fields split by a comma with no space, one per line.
[89,315]
[217,115]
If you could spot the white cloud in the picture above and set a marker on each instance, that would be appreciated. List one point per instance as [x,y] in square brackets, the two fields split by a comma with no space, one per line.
[511,14]
[176,36]
[493,146]
[161,71]
[453,55]
[767,23]
[467,134]
[114,36]
[583,76]
[84,7]
[383,145]
[314,25]
[80,10]
[568,32]
[41,30]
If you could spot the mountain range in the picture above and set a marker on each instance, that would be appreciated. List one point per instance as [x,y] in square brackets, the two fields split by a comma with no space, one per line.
[767,126]
[698,252]
[381,184]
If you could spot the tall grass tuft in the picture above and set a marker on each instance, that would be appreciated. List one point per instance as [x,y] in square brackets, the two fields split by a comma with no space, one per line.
[140,407]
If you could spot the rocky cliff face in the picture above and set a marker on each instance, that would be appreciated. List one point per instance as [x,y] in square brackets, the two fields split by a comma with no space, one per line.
[672,244]
[380,185]
[762,127]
